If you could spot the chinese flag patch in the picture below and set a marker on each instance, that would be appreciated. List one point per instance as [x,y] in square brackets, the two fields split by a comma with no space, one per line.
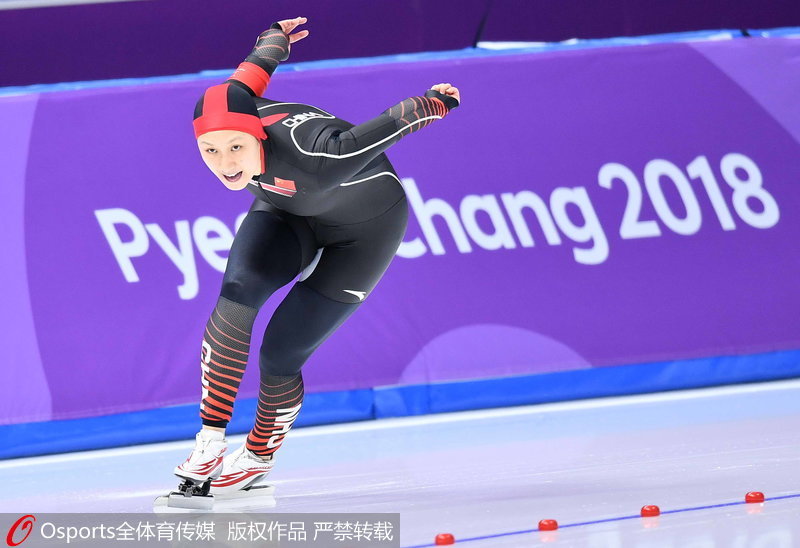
[284,187]
[284,183]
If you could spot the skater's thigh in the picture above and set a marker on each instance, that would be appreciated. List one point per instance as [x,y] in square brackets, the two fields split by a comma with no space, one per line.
[268,251]
[300,324]
[355,257]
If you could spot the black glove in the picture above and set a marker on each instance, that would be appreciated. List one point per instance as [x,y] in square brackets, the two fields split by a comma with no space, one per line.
[449,101]
[271,48]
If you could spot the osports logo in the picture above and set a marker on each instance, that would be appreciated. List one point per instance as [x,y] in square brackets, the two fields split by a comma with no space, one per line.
[25,524]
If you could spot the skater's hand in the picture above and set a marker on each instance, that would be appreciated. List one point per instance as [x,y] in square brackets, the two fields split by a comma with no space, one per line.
[273,46]
[288,25]
[447,94]
[449,90]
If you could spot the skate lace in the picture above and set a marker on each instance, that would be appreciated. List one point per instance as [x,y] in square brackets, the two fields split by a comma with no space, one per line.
[201,449]
[246,453]
[240,455]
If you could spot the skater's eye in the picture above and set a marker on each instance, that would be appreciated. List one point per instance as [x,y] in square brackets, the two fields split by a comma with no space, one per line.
[211,150]
[234,148]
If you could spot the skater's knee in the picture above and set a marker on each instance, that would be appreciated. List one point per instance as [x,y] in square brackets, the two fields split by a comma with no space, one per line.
[251,285]
[280,369]
[240,291]
[248,288]
[282,358]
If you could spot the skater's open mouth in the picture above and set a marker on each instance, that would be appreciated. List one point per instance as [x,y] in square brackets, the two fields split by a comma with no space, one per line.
[232,178]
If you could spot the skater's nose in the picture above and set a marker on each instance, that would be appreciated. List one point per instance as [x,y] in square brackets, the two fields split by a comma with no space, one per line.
[229,163]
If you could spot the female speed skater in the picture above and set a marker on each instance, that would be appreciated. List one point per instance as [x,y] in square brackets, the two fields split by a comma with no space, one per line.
[329,206]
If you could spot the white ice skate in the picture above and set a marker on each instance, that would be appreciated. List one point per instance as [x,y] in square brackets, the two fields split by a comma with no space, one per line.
[197,472]
[241,471]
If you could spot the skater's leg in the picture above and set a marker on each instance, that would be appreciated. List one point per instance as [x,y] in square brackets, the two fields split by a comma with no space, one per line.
[265,255]
[299,326]
[226,344]
[347,271]
[349,267]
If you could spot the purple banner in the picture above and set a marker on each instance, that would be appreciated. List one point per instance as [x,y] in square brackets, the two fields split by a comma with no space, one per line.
[581,209]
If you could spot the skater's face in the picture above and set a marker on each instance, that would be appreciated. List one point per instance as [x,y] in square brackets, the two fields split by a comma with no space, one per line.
[233,156]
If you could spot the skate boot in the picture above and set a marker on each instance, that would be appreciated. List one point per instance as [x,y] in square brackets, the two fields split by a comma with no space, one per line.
[197,472]
[240,473]
[206,459]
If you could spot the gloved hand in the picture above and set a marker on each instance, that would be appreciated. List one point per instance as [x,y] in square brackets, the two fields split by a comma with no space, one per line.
[273,45]
[446,93]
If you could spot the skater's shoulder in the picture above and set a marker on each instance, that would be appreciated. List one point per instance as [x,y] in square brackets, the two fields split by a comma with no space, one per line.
[272,111]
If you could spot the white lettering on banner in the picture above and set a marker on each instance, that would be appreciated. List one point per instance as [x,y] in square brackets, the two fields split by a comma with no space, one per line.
[181,255]
[567,212]
[124,251]
[239,221]
[209,246]
[516,203]
[750,187]
[739,171]
[744,189]
[631,226]
[590,231]
[424,210]
[210,235]
[501,238]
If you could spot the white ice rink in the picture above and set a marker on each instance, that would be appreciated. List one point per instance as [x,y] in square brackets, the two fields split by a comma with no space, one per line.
[488,477]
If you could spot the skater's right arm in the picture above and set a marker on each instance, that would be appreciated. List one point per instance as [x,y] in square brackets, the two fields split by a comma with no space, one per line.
[272,47]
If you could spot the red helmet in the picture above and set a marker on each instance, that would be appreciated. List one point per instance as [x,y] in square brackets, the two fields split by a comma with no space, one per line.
[227,106]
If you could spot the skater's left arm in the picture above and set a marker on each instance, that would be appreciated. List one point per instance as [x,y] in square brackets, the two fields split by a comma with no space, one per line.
[272,46]
[345,153]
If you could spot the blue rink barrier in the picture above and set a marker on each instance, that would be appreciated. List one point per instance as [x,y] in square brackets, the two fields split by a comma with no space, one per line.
[182,421]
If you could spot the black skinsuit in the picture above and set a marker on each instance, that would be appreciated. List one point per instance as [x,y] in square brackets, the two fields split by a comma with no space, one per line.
[329,205]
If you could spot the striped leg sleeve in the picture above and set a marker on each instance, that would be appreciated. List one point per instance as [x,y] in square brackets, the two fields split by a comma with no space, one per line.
[226,344]
[279,402]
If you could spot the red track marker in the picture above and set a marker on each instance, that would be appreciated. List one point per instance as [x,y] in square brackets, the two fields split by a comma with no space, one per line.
[444,538]
[650,511]
[754,496]
[548,525]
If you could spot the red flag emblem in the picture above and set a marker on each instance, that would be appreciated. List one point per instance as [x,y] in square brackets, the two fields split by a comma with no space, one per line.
[284,183]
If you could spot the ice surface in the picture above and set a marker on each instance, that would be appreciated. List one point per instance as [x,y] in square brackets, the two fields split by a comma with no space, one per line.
[496,473]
